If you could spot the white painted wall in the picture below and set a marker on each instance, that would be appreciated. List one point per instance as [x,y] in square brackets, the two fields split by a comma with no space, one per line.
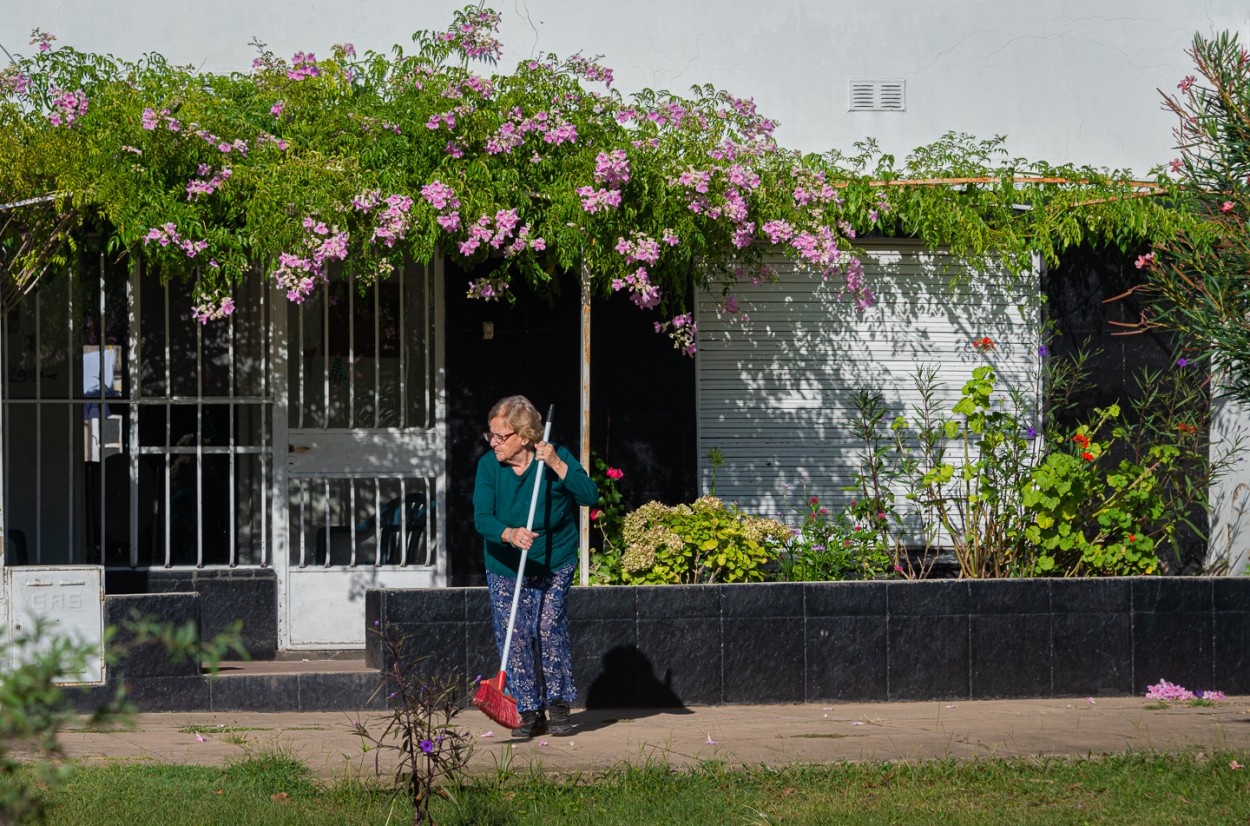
[1228,545]
[1063,80]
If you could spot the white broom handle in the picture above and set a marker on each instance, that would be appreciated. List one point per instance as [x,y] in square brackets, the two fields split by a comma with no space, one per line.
[529,526]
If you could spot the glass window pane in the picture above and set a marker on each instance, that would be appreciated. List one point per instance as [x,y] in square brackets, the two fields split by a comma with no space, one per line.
[251,339]
[216,513]
[20,347]
[364,355]
[183,340]
[53,351]
[251,501]
[390,339]
[340,367]
[308,363]
[417,321]
[215,425]
[251,425]
[152,342]
[215,356]
[152,505]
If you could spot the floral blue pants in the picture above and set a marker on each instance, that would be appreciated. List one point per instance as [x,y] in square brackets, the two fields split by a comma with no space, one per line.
[540,666]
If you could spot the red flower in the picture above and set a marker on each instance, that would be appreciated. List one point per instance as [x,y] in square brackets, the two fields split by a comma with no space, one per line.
[615,473]
[812,501]
[1081,440]
[983,343]
[1132,537]
[595,513]
[1087,456]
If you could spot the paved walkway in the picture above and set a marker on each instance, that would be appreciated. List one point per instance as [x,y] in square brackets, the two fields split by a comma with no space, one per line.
[738,735]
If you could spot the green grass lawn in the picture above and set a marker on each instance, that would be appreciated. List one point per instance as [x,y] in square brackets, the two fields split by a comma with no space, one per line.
[1132,789]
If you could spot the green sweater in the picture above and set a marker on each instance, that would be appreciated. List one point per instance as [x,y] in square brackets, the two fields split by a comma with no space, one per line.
[501,499]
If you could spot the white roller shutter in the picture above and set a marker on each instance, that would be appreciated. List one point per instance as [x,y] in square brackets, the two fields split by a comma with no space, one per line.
[775,395]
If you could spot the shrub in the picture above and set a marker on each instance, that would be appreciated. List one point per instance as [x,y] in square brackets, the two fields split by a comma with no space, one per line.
[848,545]
[705,541]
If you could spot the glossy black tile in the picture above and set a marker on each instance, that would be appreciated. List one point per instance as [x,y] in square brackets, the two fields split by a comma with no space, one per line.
[763,660]
[608,602]
[1173,646]
[1091,596]
[1172,595]
[1010,655]
[1009,596]
[846,658]
[772,599]
[928,657]
[845,599]
[1093,654]
[927,598]
[671,601]
[255,692]
[351,691]
[685,655]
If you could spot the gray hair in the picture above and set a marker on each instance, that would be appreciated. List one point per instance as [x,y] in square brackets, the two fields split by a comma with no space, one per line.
[521,416]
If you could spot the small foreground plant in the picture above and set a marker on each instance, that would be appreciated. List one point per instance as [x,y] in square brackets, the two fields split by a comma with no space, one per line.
[419,728]
[35,708]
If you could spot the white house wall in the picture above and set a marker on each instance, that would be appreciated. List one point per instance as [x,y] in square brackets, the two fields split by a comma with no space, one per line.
[1064,81]
[776,394]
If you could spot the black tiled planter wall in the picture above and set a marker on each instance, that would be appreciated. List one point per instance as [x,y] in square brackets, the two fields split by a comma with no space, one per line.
[895,640]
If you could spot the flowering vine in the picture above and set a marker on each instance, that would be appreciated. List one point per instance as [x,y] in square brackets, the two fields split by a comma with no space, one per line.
[354,159]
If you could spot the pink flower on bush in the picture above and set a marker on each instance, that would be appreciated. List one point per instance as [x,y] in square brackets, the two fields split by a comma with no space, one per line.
[615,473]
[1227,206]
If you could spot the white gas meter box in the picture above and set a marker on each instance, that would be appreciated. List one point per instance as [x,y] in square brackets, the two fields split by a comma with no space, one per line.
[68,601]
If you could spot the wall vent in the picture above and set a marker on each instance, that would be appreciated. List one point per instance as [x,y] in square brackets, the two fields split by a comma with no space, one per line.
[877,95]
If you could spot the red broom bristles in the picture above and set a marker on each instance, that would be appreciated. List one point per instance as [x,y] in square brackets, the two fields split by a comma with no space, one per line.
[496,705]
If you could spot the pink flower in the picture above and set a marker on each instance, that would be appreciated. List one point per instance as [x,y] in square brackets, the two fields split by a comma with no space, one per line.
[595,513]
[1144,261]
[1234,765]
[615,473]
[1227,206]
[1175,164]
[1186,83]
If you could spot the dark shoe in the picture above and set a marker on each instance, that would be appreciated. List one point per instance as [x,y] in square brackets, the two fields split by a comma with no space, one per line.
[561,725]
[533,723]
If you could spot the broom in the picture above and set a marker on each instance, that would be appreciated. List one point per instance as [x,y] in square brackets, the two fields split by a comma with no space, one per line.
[490,697]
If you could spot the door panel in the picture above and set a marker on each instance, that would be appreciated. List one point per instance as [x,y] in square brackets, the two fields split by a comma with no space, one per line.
[365,454]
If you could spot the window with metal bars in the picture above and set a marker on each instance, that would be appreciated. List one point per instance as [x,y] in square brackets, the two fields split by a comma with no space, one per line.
[132,435]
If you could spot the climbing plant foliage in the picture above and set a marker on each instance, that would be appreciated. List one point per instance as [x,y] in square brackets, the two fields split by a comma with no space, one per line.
[358,161]
[1196,280]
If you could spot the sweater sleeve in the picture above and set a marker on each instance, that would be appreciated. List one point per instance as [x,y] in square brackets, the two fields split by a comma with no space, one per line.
[577,482]
[485,520]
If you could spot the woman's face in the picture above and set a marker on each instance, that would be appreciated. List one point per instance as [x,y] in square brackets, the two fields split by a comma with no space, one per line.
[506,444]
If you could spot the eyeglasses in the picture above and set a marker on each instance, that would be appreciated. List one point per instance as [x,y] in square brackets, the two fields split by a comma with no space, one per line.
[493,439]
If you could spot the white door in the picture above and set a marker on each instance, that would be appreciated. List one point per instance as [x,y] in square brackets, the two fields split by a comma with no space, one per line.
[366,443]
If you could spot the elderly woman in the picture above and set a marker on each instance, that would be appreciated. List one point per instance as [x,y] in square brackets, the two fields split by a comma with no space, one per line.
[540,668]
